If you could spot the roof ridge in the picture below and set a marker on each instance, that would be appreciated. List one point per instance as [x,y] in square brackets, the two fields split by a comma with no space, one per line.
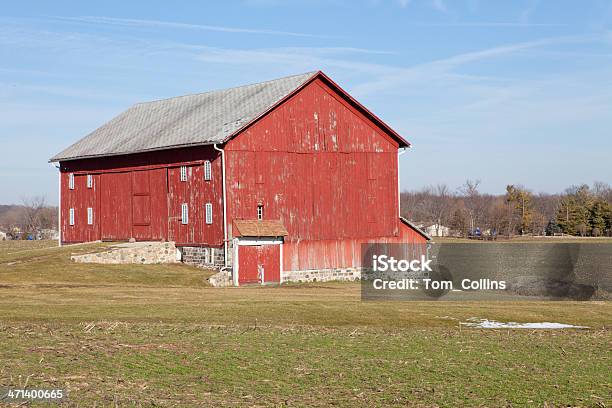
[309,73]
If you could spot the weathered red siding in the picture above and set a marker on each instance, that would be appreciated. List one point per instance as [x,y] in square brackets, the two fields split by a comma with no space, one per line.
[140,195]
[80,199]
[344,253]
[196,192]
[324,170]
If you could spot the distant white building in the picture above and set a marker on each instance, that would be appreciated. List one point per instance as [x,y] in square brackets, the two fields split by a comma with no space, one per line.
[435,230]
[48,234]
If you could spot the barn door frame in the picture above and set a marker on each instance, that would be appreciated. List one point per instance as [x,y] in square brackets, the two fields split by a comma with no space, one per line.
[254,242]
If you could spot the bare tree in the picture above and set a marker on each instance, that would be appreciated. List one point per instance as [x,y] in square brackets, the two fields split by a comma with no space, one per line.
[416,205]
[440,205]
[603,191]
[497,216]
[472,201]
[33,215]
[545,210]
[409,202]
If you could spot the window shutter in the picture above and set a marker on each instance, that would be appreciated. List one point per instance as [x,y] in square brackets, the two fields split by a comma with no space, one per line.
[207,171]
[184,214]
[71,181]
[71,216]
[183,173]
[209,217]
[89,216]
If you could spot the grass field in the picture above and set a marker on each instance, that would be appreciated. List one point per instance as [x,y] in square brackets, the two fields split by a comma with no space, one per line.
[151,335]
[527,239]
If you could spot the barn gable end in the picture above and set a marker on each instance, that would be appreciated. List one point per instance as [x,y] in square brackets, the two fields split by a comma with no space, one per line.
[322,167]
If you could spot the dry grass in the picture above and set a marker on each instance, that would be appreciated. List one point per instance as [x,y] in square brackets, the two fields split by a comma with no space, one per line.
[146,335]
[46,265]
[527,239]
[11,247]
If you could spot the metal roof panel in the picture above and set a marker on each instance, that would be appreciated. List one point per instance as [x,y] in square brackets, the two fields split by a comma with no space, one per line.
[204,118]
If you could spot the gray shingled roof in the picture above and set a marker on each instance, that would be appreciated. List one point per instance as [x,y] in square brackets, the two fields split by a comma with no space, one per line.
[204,118]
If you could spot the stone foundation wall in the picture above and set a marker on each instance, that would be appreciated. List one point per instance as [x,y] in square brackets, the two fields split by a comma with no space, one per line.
[132,253]
[202,256]
[222,279]
[323,275]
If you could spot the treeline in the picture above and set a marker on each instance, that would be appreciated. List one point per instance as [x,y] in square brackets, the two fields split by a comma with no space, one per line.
[29,220]
[579,210]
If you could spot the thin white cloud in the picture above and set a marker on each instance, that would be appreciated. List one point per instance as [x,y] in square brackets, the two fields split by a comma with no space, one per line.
[131,22]
[528,11]
[403,3]
[436,68]
[296,58]
[439,5]
[334,50]
[495,24]
[132,51]
[11,90]
[497,51]
[290,3]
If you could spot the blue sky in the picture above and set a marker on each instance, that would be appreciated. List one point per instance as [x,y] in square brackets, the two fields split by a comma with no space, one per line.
[502,91]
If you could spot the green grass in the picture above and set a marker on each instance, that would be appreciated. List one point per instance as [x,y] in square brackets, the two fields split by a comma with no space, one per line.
[192,364]
[143,335]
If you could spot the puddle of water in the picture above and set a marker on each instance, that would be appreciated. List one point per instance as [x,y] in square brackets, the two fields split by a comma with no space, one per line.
[492,324]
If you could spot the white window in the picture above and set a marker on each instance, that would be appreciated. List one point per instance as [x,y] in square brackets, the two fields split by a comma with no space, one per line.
[89,181]
[260,212]
[183,173]
[184,214]
[71,181]
[207,171]
[89,216]
[208,208]
[71,216]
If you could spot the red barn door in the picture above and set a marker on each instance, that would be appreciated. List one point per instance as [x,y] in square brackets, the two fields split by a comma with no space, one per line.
[258,264]
[149,204]
[116,206]
[141,205]
[269,259]
[248,264]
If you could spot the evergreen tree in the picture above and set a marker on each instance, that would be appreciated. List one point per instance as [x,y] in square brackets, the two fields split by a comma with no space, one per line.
[575,210]
[552,228]
[520,207]
[599,217]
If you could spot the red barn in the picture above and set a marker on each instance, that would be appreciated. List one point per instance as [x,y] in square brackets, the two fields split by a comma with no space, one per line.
[280,180]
